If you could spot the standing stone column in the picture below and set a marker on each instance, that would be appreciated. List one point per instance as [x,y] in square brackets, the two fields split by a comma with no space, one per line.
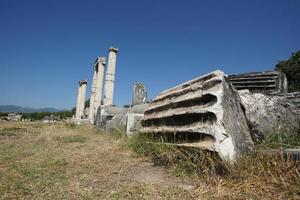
[93,91]
[97,87]
[110,76]
[80,100]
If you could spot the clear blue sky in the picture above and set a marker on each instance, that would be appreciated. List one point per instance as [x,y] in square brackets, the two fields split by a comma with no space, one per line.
[47,46]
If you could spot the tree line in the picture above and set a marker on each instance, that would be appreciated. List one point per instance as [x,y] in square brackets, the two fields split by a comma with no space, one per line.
[291,68]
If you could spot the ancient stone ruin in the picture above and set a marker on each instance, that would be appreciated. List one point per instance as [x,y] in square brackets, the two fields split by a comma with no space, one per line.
[269,113]
[203,113]
[110,76]
[227,114]
[96,89]
[126,119]
[80,100]
[263,82]
[139,94]
[267,105]
[293,97]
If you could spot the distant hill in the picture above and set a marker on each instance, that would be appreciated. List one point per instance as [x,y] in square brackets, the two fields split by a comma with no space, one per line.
[19,109]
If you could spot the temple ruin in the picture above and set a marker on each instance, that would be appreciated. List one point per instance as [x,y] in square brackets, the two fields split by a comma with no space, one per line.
[227,114]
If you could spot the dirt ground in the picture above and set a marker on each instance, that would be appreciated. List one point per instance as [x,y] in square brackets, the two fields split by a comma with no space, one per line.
[60,161]
[39,161]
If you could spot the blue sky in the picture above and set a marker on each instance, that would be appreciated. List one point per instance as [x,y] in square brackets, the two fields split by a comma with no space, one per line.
[47,46]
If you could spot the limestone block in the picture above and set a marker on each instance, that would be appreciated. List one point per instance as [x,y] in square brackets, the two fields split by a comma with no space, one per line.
[106,113]
[117,122]
[204,113]
[270,113]
[133,123]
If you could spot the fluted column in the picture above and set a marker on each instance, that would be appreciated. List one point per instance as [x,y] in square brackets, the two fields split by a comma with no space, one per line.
[110,76]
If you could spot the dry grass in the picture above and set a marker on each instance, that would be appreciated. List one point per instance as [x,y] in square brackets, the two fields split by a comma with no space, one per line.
[42,161]
[254,176]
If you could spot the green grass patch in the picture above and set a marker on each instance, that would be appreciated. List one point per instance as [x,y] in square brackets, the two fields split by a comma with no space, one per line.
[281,140]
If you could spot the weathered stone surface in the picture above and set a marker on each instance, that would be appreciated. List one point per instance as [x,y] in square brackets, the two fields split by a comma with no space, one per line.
[264,82]
[96,88]
[269,113]
[117,122]
[203,113]
[80,100]
[139,94]
[110,77]
[106,113]
[133,123]
[127,119]
[139,109]
[293,97]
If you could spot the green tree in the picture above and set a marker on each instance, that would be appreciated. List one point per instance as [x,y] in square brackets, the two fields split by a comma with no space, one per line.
[87,103]
[291,68]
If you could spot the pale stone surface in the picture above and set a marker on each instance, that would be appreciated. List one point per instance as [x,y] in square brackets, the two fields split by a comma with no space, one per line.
[139,109]
[270,113]
[293,97]
[263,82]
[80,100]
[125,119]
[96,89]
[139,94]
[133,123]
[110,76]
[106,113]
[117,122]
[204,113]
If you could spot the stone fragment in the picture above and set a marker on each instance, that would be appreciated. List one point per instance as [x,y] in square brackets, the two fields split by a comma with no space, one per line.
[125,119]
[203,113]
[139,94]
[263,82]
[270,113]
[133,124]
[106,113]
[293,97]
[117,122]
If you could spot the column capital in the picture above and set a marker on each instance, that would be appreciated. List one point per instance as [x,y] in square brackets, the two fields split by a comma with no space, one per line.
[101,60]
[82,82]
[113,49]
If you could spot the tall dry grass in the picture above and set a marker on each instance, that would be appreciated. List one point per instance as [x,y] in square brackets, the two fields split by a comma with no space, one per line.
[254,176]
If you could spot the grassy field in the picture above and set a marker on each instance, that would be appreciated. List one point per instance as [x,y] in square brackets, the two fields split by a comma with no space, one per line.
[59,161]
